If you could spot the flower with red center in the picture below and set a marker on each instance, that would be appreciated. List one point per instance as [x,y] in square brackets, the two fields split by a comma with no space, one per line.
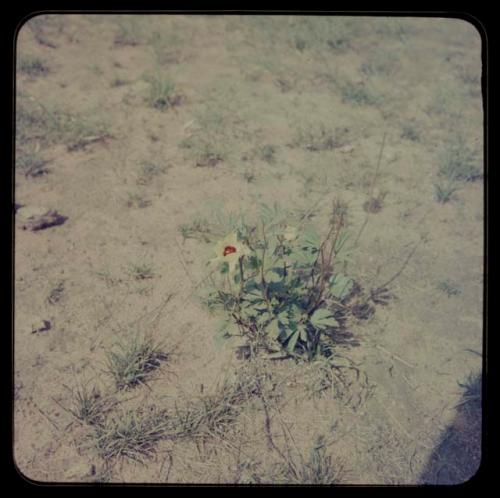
[230,250]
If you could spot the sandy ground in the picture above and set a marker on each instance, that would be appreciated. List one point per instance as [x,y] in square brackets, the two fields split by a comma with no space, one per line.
[242,83]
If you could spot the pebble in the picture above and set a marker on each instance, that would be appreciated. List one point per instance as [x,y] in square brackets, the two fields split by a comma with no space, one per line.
[38,218]
[41,326]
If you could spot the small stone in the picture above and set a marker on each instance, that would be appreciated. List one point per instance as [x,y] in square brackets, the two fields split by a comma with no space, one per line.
[41,326]
[38,218]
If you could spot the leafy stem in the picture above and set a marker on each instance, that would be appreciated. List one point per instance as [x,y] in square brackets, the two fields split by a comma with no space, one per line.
[242,277]
[265,289]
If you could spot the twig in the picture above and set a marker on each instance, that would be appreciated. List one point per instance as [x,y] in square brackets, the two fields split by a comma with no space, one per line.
[371,188]
[47,417]
[156,310]
[183,261]
[396,357]
[170,463]
[304,217]
[396,275]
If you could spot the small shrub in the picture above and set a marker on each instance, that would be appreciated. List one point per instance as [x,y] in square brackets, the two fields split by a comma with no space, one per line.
[279,287]
[32,66]
[410,132]
[36,122]
[381,64]
[82,131]
[318,468]
[141,272]
[31,163]
[131,364]
[318,137]
[375,203]
[149,171]
[161,93]
[449,288]
[135,200]
[107,277]
[210,228]
[134,434]
[49,125]
[131,434]
[268,153]
[198,229]
[90,405]
[249,176]
[206,153]
[213,414]
[129,32]
[459,162]
[358,94]
[444,190]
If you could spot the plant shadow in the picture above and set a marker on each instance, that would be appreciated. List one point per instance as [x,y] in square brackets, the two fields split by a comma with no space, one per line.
[343,336]
[458,456]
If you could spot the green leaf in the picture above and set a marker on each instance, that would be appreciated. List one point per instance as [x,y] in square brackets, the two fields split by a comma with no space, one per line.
[304,257]
[276,287]
[294,313]
[293,341]
[250,311]
[340,285]
[253,262]
[273,275]
[286,333]
[229,327]
[271,246]
[283,318]
[341,241]
[268,213]
[302,329]
[253,292]
[322,318]
[273,330]
[263,318]
[310,237]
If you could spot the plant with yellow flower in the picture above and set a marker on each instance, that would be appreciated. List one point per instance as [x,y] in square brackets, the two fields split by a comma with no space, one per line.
[280,285]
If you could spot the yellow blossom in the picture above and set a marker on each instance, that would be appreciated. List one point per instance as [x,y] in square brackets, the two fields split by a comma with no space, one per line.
[230,250]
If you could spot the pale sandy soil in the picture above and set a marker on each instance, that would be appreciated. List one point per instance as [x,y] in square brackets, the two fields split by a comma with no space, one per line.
[247,82]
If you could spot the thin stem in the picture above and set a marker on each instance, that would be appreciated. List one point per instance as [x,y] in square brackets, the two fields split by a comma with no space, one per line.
[242,278]
[321,281]
[407,260]
[263,280]
[372,186]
